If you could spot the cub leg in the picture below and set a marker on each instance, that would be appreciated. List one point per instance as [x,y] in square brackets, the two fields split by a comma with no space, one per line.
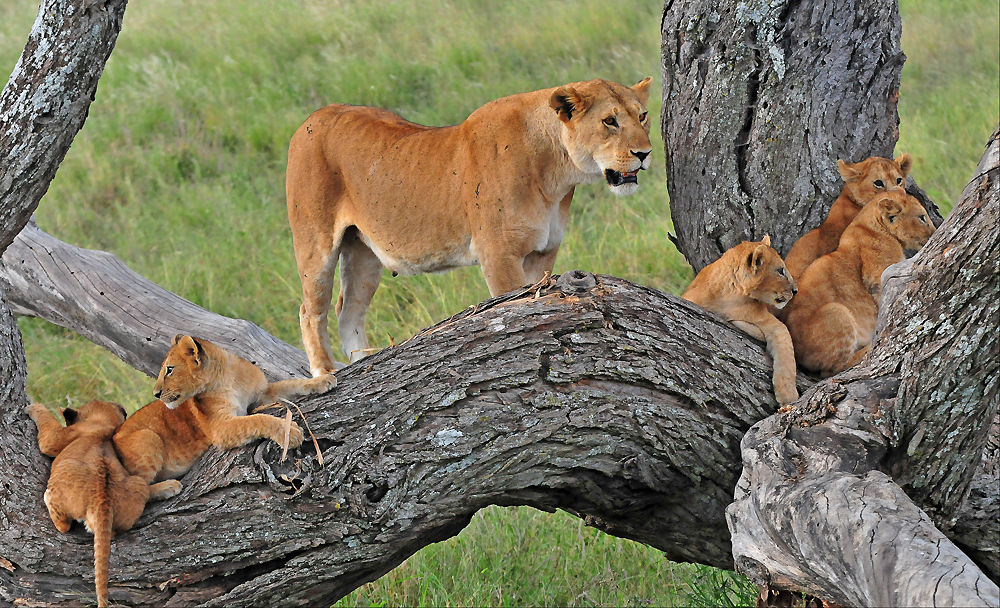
[164,489]
[128,499]
[60,517]
[360,273]
[827,343]
[52,436]
[779,346]
[142,453]
[298,387]
[233,431]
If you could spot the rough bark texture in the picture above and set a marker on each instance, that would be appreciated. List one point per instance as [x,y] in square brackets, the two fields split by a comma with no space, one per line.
[47,98]
[816,509]
[102,299]
[760,99]
[618,403]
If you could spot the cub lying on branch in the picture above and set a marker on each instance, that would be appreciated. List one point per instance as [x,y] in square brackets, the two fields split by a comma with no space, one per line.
[832,319]
[741,286]
[863,182]
[88,483]
[204,393]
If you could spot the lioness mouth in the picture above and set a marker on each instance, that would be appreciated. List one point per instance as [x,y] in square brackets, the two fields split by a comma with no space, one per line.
[616,178]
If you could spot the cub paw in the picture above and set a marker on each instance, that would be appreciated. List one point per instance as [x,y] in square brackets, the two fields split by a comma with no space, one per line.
[323,384]
[295,436]
[164,489]
[35,410]
[786,396]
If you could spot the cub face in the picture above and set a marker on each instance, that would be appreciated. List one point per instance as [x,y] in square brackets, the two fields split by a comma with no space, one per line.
[605,128]
[874,176]
[182,374]
[906,219]
[764,276]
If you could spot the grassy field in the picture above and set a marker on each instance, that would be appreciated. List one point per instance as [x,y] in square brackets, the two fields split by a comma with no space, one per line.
[180,172]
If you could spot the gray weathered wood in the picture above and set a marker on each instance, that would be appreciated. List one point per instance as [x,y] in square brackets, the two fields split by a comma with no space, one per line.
[816,509]
[99,297]
[760,99]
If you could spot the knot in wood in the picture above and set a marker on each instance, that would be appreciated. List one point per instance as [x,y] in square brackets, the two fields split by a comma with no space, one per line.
[576,282]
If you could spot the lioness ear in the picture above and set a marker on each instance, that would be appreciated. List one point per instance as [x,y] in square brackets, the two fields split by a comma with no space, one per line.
[905,163]
[847,170]
[641,89]
[566,102]
[70,415]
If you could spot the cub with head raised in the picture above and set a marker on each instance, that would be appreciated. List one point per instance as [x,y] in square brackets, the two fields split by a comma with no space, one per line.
[741,286]
[88,483]
[204,393]
[832,320]
[863,181]
[369,190]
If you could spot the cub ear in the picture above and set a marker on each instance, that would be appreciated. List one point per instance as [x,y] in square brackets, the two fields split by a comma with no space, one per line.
[766,240]
[890,209]
[848,171]
[641,89]
[566,101]
[193,348]
[905,163]
[70,415]
[756,258]
[176,339]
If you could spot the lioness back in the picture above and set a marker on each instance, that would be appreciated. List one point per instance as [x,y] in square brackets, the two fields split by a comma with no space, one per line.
[832,319]
[369,190]
[863,182]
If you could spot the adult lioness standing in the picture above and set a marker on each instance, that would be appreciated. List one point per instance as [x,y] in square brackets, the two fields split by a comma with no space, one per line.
[372,190]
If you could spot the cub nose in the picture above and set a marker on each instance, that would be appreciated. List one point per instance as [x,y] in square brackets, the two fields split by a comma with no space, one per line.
[640,155]
[157,394]
[795,290]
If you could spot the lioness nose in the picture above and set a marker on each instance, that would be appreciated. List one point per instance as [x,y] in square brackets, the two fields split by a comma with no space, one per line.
[640,155]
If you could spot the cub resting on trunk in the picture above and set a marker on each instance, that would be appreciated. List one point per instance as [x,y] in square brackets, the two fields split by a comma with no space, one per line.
[367,189]
[832,320]
[741,286]
[863,182]
[204,393]
[88,483]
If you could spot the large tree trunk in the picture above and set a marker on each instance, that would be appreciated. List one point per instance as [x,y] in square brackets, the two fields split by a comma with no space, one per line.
[760,99]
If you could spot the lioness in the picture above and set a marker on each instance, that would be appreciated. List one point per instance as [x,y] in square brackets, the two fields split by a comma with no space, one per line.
[372,190]
[88,483]
[203,394]
[741,286]
[862,182]
[832,319]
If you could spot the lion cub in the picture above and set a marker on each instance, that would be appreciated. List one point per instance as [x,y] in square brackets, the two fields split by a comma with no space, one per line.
[862,182]
[832,321]
[88,483]
[203,394]
[740,286]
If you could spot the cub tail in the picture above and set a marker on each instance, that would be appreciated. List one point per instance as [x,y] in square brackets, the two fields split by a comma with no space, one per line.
[100,519]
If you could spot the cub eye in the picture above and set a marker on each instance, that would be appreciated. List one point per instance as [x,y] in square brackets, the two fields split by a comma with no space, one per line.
[879,183]
[611,121]
[170,370]
[643,116]
[923,218]
[899,180]
[781,271]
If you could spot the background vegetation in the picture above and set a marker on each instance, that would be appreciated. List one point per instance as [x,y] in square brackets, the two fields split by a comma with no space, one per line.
[180,172]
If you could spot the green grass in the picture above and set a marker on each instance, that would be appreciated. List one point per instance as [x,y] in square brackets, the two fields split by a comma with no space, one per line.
[180,172]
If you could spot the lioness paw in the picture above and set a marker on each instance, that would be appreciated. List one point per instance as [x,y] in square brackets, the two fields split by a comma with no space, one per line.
[323,384]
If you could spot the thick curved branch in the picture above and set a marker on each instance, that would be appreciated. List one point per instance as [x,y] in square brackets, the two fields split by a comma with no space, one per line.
[816,511]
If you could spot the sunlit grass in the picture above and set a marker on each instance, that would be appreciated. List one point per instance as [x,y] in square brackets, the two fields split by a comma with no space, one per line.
[180,172]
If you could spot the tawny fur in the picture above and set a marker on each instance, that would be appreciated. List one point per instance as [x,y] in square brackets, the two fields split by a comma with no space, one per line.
[204,394]
[741,286]
[88,483]
[863,181]
[368,189]
[832,319]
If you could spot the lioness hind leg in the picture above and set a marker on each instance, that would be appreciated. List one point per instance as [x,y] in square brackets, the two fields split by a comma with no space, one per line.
[360,273]
[316,272]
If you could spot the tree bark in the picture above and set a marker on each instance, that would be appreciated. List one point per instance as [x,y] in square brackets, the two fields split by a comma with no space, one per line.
[816,509]
[759,102]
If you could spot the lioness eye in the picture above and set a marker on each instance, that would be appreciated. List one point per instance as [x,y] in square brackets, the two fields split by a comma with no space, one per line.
[611,121]
[170,369]
[899,180]
[879,183]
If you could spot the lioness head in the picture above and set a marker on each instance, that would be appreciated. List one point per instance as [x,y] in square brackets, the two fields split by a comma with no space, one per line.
[606,129]
[762,275]
[183,373]
[874,176]
[905,218]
